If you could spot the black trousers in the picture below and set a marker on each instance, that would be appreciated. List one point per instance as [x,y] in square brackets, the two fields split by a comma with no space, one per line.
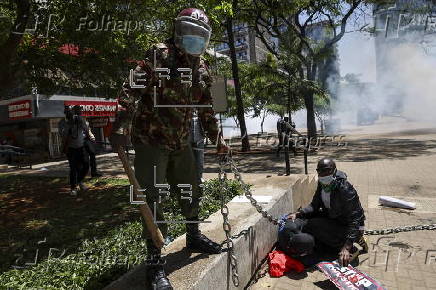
[283,142]
[78,160]
[329,234]
[287,161]
[279,147]
[90,149]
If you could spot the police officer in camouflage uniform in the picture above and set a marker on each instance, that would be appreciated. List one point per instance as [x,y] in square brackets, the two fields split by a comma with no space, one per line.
[286,130]
[155,102]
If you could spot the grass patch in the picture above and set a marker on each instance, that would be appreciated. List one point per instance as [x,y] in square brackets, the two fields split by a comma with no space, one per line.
[84,244]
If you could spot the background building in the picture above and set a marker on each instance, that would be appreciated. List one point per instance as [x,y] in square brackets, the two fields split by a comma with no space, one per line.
[248,47]
[328,73]
[31,121]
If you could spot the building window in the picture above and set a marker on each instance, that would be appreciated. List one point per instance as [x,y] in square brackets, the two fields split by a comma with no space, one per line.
[222,46]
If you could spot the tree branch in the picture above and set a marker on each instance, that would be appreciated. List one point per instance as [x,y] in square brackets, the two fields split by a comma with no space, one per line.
[9,48]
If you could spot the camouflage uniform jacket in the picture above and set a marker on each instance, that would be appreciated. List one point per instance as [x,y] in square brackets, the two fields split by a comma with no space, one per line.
[168,127]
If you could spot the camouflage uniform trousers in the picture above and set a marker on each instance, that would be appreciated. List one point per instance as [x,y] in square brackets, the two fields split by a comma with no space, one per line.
[173,167]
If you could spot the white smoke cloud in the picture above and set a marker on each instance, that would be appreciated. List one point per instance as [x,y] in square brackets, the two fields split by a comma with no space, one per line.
[414,74]
[405,88]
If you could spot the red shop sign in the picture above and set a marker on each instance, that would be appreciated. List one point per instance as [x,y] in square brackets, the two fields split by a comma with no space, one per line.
[20,110]
[91,108]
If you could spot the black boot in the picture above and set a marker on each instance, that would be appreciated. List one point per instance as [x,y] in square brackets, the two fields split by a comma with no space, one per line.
[156,276]
[195,240]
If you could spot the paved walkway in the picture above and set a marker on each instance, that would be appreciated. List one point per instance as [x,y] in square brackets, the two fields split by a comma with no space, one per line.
[401,165]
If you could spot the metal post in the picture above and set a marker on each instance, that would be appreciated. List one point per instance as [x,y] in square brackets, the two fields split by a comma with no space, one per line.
[221,125]
[305,158]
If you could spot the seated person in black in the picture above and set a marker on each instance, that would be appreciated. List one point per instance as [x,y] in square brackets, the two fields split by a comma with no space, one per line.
[334,218]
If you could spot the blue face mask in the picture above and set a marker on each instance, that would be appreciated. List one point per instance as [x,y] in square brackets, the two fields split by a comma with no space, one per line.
[193,45]
[326,180]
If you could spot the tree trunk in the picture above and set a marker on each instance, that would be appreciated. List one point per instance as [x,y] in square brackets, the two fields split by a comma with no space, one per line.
[288,104]
[263,121]
[236,121]
[8,49]
[308,101]
[235,72]
[311,124]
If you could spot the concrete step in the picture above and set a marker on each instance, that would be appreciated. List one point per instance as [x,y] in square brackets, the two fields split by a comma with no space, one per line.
[188,270]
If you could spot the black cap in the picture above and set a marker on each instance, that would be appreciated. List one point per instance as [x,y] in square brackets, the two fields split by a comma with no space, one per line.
[326,166]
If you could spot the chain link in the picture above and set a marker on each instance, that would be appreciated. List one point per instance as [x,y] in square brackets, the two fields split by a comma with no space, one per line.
[222,176]
[402,229]
[227,227]
[249,195]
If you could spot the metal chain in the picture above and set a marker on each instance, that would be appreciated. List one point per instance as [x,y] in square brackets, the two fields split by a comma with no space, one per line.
[227,227]
[249,195]
[243,233]
[222,176]
[402,229]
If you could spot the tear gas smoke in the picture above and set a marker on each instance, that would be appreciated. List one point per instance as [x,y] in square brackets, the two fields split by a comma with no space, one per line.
[406,88]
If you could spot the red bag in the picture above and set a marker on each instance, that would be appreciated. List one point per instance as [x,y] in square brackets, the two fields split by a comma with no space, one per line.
[279,263]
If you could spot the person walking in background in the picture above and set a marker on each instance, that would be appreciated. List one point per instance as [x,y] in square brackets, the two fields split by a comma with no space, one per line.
[286,133]
[73,130]
[287,129]
[63,123]
[279,135]
[90,148]
[292,144]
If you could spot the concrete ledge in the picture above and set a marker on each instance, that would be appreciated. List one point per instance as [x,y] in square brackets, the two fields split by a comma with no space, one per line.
[188,270]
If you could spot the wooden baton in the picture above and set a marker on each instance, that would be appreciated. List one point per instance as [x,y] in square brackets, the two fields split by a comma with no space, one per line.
[156,235]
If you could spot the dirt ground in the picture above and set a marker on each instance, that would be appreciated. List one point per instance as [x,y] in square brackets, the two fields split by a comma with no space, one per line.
[39,209]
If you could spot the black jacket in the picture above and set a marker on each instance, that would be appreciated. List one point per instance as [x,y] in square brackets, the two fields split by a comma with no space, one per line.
[345,207]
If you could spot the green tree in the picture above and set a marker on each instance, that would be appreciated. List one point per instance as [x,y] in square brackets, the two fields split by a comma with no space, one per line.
[306,32]
[83,45]
[264,89]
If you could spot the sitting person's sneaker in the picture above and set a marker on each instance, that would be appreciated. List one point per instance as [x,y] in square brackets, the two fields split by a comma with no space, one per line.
[363,244]
[355,252]
[360,247]
[195,240]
